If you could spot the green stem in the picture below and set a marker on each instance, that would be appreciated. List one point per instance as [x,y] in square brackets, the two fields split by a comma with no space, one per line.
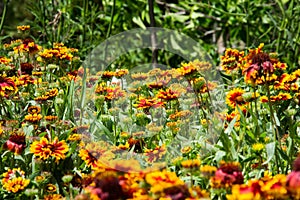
[276,133]
[3,15]
[111,19]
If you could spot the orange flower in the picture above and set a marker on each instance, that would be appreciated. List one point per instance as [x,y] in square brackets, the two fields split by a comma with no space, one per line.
[260,67]
[14,180]
[16,143]
[7,86]
[23,27]
[148,103]
[231,60]
[167,94]
[95,154]
[44,149]
[234,98]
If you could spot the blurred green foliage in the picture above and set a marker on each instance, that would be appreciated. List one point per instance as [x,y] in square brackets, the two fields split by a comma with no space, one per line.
[216,24]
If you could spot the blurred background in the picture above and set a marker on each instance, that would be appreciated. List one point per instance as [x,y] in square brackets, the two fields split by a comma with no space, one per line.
[216,24]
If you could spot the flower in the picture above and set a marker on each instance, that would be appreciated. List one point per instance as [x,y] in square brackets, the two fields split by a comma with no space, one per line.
[23,27]
[231,60]
[208,171]
[7,86]
[280,97]
[167,94]
[235,97]
[155,154]
[95,154]
[53,197]
[16,142]
[45,149]
[191,164]
[227,175]
[260,67]
[50,188]
[257,147]
[14,180]
[105,186]
[34,109]
[26,68]
[250,191]
[161,180]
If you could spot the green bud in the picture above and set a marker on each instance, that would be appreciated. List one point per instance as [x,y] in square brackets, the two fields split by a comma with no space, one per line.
[67,178]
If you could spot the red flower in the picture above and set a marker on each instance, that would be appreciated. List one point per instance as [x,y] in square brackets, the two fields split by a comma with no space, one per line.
[16,143]
[7,86]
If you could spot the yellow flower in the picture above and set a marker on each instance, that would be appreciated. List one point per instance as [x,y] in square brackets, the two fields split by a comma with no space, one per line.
[258,147]
[208,170]
[23,27]
[162,180]
[44,149]
[234,98]
[14,180]
[191,164]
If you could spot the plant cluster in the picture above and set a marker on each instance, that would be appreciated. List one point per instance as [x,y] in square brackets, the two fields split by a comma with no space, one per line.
[67,132]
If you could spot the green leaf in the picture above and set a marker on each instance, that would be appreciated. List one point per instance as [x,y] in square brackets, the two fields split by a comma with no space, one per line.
[139,22]
[270,152]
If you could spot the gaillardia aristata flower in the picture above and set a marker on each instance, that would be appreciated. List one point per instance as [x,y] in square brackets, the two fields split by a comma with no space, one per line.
[234,98]
[45,149]
[16,142]
[14,180]
[7,86]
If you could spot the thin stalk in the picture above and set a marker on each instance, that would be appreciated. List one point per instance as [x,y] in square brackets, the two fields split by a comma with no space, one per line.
[85,9]
[153,34]
[276,133]
[112,14]
[3,15]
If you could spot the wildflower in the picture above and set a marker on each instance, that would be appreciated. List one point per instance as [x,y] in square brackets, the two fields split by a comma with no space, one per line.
[23,27]
[50,188]
[16,142]
[53,197]
[257,147]
[180,115]
[7,86]
[27,45]
[227,175]
[121,72]
[155,154]
[33,118]
[4,60]
[47,95]
[147,103]
[95,154]
[14,180]
[75,137]
[191,164]
[40,179]
[137,144]
[45,149]
[51,118]
[161,180]
[260,67]
[105,186]
[26,68]
[139,76]
[191,69]
[275,187]
[280,97]
[252,190]
[208,171]
[231,60]
[235,98]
